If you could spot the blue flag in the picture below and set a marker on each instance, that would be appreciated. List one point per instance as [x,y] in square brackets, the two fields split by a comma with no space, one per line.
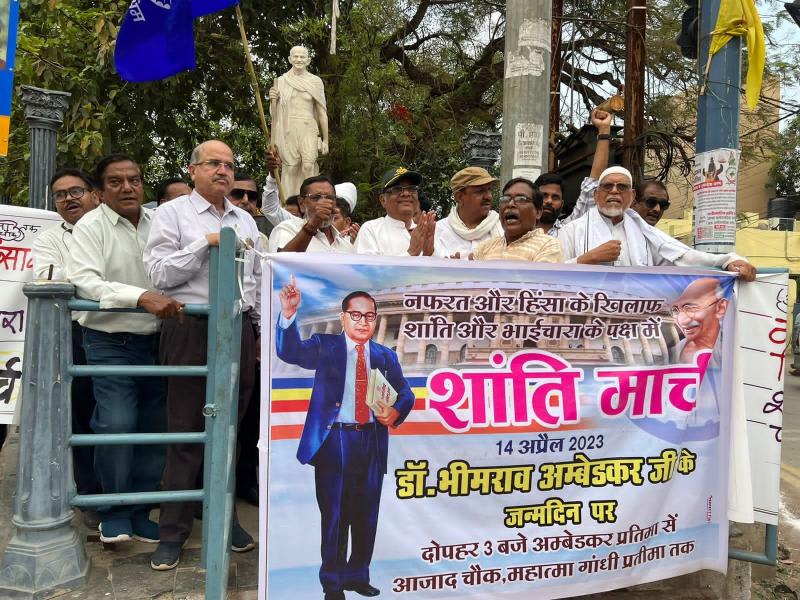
[156,39]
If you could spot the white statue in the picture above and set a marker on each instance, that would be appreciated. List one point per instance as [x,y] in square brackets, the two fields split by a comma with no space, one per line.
[299,121]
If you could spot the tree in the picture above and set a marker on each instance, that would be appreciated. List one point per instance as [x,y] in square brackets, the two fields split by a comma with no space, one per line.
[785,170]
[410,78]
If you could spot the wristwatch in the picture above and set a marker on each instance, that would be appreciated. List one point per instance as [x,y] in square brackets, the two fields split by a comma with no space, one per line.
[605,136]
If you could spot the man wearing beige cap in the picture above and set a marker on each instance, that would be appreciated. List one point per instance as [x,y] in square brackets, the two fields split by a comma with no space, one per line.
[471,220]
[613,234]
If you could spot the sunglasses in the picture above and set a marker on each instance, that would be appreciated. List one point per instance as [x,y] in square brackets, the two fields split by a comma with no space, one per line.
[238,194]
[608,187]
[651,202]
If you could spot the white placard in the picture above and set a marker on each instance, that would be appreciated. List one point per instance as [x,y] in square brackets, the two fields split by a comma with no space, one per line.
[19,226]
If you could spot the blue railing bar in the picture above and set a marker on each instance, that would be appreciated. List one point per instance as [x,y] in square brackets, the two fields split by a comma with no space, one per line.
[770,555]
[92,306]
[122,439]
[138,370]
[90,500]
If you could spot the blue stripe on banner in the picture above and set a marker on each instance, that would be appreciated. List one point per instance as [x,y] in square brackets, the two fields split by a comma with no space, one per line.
[290,383]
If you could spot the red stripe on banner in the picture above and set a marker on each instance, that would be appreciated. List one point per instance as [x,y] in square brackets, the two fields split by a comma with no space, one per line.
[286,432]
[289,406]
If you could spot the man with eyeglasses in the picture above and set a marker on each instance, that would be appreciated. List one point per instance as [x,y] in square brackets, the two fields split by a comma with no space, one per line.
[74,195]
[698,312]
[314,233]
[105,265]
[472,219]
[177,259]
[612,234]
[346,442]
[396,234]
[520,208]
[651,201]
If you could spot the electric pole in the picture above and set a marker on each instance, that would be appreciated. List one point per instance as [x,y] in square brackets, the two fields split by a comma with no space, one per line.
[717,138]
[555,81]
[635,62]
[526,89]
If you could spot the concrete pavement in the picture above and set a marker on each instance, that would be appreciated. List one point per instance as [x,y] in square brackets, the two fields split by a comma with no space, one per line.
[124,573]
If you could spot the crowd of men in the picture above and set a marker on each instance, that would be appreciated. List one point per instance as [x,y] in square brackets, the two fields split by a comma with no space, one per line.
[119,252]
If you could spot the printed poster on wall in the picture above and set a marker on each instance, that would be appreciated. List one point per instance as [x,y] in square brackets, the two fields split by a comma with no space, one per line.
[18,228]
[492,430]
[715,176]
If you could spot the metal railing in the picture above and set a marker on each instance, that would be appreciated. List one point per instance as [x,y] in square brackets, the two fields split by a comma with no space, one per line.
[42,512]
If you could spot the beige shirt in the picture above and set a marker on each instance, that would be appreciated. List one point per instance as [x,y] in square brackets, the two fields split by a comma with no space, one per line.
[534,246]
[286,231]
[105,265]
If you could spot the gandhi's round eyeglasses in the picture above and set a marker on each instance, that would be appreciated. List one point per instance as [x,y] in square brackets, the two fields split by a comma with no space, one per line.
[690,310]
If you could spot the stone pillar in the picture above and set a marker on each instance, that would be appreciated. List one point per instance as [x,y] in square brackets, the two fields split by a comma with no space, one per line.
[382,328]
[421,352]
[626,348]
[44,112]
[647,353]
[662,345]
[401,337]
[330,326]
[45,552]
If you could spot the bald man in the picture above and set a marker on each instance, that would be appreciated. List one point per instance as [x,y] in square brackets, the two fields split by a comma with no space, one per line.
[698,312]
[176,258]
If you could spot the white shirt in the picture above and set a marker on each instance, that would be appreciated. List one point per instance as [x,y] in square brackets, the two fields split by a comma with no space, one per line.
[584,203]
[177,253]
[271,203]
[447,242]
[105,265]
[691,258]
[286,231]
[384,236]
[347,410]
[50,248]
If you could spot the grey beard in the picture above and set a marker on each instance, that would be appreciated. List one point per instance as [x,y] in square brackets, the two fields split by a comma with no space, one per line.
[611,212]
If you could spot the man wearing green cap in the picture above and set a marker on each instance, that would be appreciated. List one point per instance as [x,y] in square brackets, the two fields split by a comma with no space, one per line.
[396,234]
[472,220]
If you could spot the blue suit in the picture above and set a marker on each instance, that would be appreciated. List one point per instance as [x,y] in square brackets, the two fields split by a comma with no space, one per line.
[348,465]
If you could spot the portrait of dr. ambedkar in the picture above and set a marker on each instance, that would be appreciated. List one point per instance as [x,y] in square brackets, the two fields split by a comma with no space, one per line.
[344,439]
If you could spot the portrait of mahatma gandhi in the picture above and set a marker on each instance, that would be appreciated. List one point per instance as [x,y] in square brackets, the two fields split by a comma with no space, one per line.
[698,312]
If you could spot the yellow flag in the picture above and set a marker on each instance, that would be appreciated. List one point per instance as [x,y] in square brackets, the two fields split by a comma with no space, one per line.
[740,18]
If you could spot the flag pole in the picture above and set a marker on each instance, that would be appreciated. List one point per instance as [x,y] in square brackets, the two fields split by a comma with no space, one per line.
[254,80]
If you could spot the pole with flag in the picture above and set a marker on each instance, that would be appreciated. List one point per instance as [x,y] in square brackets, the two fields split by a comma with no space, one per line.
[156,41]
[739,18]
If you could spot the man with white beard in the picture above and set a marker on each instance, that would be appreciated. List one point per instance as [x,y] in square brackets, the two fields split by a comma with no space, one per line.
[613,234]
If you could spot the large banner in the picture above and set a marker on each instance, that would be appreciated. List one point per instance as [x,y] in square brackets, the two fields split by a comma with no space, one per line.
[18,228]
[762,353]
[442,429]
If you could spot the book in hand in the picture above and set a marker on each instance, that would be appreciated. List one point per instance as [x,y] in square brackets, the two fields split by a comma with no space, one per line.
[379,390]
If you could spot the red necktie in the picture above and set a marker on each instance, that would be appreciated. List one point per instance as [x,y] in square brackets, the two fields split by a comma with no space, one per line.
[362,410]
